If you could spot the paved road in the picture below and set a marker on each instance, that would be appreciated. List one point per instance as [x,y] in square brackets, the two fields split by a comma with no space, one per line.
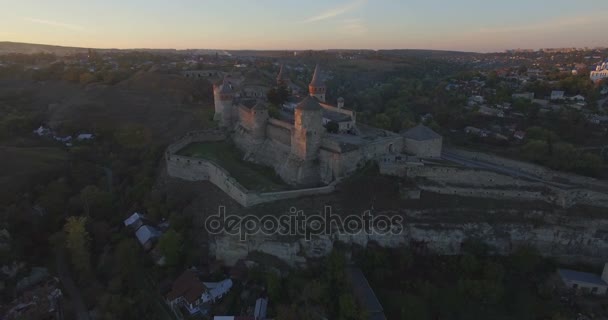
[70,286]
[513,172]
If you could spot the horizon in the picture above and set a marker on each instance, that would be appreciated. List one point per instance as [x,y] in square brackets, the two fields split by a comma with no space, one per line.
[468,26]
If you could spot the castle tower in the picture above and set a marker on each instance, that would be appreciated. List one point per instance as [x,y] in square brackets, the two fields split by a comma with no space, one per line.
[317,88]
[223,96]
[308,129]
[260,120]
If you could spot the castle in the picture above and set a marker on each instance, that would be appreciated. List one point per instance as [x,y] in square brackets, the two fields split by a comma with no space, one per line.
[298,143]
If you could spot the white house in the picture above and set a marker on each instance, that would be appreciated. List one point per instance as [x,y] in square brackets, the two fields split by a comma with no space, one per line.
[585,282]
[193,295]
[600,73]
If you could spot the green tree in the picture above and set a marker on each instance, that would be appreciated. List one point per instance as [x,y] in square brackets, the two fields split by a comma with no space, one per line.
[77,243]
[170,246]
[347,307]
[332,127]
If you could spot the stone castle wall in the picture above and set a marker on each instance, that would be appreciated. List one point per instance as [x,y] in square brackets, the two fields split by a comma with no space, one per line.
[578,241]
[195,169]
[530,168]
[486,184]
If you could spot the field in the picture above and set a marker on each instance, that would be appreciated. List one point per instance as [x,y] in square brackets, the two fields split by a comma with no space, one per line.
[250,175]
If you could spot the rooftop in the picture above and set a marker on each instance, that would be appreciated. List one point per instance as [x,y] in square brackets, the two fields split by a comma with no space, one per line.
[146,233]
[421,133]
[309,103]
[188,286]
[578,276]
[316,78]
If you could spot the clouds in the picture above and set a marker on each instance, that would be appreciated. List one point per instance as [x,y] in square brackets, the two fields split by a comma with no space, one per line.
[55,24]
[352,27]
[337,11]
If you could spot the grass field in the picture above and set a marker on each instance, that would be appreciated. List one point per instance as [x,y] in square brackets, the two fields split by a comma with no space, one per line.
[251,176]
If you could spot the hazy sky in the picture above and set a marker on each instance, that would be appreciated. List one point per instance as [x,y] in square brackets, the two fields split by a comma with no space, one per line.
[473,25]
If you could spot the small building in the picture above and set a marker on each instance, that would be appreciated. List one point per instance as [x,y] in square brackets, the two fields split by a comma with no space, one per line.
[525,96]
[190,293]
[585,282]
[423,142]
[261,306]
[557,95]
[85,136]
[134,221]
[519,135]
[147,236]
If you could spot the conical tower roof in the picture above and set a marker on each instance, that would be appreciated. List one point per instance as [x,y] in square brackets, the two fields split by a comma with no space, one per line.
[316,78]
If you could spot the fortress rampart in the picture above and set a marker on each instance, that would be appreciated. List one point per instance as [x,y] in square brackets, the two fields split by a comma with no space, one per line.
[196,169]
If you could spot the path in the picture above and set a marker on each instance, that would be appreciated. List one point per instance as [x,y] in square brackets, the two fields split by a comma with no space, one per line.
[513,172]
[70,286]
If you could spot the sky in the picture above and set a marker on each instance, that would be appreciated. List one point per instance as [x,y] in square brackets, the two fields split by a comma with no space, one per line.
[464,25]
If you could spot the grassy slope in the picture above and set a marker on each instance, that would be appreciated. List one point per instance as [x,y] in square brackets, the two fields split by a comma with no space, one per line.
[250,175]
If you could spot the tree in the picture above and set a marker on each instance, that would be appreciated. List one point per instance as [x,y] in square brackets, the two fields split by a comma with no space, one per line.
[332,127]
[278,96]
[170,246]
[77,243]
[95,201]
[347,307]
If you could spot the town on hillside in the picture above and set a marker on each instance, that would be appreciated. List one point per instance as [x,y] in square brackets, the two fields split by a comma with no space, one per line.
[484,176]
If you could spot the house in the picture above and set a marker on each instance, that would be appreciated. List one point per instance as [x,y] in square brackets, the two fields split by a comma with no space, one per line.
[519,135]
[541,102]
[525,95]
[423,142]
[134,221]
[487,111]
[585,282]
[85,136]
[598,119]
[190,293]
[261,306]
[147,236]
[557,95]
[577,97]
[365,295]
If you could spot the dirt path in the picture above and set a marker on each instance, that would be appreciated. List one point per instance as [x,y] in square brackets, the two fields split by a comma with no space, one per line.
[70,287]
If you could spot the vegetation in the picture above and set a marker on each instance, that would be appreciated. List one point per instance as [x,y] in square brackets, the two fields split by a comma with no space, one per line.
[249,175]
[414,285]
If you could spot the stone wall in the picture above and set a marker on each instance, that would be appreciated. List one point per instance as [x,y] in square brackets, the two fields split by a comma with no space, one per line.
[576,241]
[486,184]
[530,168]
[424,149]
[195,169]
[278,132]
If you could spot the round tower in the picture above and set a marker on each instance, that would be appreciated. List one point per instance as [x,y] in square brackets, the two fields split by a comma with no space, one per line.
[317,88]
[308,129]
[223,96]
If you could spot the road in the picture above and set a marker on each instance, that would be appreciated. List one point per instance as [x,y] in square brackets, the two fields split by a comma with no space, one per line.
[513,172]
[70,286]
